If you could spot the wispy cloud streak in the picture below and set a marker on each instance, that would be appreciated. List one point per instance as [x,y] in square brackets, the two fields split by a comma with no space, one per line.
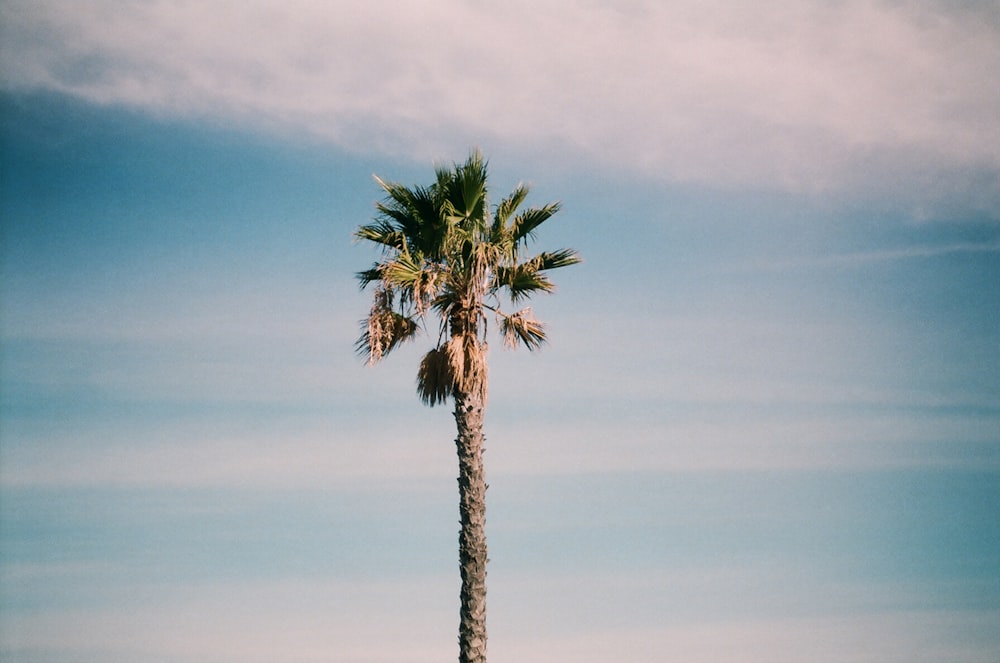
[862,258]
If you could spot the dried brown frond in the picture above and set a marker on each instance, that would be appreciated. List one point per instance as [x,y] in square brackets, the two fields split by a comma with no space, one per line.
[522,327]
[435,380]
[385,328]
[467,357]
[426,289]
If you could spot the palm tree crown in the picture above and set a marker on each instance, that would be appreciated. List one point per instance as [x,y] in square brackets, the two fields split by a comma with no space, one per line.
[446,251]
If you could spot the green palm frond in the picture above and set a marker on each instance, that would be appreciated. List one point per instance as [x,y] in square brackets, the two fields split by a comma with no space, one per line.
[507,206]
[403,272]
[414,214]
[523,225]
[418,201]
[522,281]
[384,233]
[468,190]
[419,280]
[453,216]
[525,279]
[369,276]
[556,259]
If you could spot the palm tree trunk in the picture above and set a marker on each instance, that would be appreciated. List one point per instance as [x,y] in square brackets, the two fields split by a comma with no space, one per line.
[472,538]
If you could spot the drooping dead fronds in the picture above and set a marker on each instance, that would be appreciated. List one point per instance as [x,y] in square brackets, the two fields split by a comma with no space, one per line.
[522,327]
[385,328]
[435,379]
[467,356]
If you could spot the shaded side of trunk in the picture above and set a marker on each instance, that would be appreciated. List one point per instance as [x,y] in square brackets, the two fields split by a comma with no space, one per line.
[472,537]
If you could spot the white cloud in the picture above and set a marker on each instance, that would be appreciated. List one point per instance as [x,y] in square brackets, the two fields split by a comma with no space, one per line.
[806,96]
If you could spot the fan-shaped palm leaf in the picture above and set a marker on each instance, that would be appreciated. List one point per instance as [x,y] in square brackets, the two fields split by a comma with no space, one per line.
[522,281]
[384,329]
[523,225]
[435,380]
[522,328]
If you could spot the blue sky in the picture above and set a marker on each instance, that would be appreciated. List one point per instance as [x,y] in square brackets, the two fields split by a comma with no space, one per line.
[765,429]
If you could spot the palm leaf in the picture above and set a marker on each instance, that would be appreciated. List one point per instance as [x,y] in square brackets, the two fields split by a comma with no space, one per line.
[370,276]
[404,272]
[412,212]
[523,225]
[381,335]
[523,280]
[555,259]
[435,379]
[385,328]
[507,206]
[382,232]
[522,327]
[469,194]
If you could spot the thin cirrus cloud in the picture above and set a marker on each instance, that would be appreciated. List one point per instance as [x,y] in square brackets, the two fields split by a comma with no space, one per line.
[862,258]
[809,98]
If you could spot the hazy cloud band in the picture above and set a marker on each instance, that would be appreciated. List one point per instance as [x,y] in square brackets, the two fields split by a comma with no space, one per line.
[806,97]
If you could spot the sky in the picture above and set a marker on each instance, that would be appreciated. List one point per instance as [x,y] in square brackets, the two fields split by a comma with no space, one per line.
[767,423]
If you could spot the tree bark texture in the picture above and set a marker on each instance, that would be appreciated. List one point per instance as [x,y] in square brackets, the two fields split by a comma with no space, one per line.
[472,537]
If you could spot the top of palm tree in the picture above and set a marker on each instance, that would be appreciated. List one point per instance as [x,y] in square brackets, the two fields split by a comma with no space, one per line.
[446,251]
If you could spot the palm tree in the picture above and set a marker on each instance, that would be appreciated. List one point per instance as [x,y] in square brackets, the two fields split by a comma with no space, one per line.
[447,256]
